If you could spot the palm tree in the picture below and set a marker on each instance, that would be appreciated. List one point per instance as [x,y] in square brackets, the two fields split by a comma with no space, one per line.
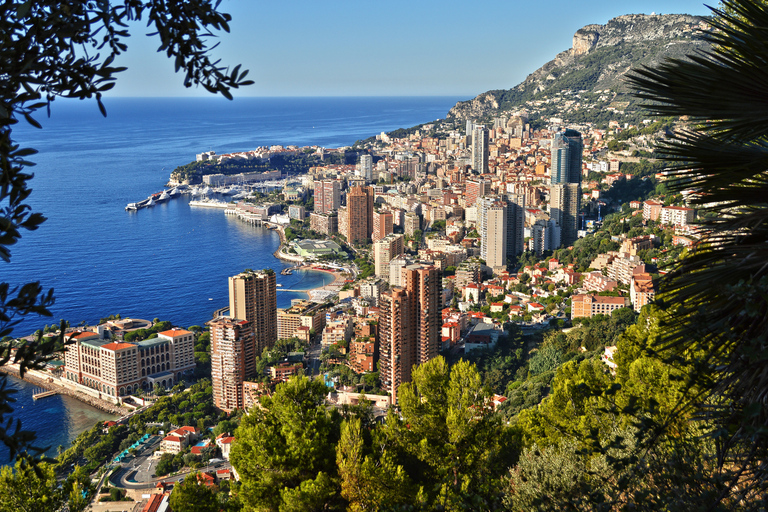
[716,297]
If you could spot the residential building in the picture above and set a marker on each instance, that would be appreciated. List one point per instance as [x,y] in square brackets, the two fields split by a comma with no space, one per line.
[652,209]
[641,290]
[362,356]
[382,225]
[233,359]
[359,211]
[623,267]
[411,223]
[566,151]
[564,209]
[326,223]
[676,215]
[591,305]
[385,250]
[480,149]
[410,324]
[365,167]
[492,226]
[467,272]
[515,225]
[301,313]
[475,189]
[327,196]
[253,298]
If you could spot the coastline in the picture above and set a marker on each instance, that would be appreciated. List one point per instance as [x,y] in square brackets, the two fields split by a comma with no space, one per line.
[49,383]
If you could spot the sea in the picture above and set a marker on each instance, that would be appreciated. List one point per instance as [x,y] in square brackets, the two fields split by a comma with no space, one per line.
[170,261]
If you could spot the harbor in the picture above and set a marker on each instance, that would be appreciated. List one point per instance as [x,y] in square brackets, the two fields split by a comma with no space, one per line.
[202,194]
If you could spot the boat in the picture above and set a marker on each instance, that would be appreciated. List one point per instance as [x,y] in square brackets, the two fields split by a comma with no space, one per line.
[163,197]
[206,191]
[132,207]
[151,201]
[174,192]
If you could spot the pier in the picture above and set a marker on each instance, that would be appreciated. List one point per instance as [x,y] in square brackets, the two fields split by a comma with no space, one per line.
[44,394]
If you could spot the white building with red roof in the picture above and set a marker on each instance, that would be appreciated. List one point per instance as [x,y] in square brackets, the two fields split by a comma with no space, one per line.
[112,369]
[176,440]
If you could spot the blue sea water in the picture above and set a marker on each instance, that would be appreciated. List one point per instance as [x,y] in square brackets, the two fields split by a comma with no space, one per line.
[170,261]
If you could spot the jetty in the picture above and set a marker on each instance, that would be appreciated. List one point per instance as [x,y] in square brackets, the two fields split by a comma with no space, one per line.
[44,394]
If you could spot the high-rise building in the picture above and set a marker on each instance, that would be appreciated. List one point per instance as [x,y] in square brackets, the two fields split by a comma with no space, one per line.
[253,298]
[232,361]
[365,166]
[384,251]
[515,225]
[327,196]
[564,209]
[545,236]
[382,225]
[409,319]
[565,189]
[480,149]
[476,189]
[359,215]
[237,339]
[566,152]
[492,225]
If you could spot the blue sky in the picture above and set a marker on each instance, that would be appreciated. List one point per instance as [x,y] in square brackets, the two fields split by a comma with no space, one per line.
[385,48]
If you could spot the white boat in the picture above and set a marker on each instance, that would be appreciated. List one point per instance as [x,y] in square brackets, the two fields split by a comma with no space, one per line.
[151,201]
[163,197]
[132,207]
[174,192]
[206,191]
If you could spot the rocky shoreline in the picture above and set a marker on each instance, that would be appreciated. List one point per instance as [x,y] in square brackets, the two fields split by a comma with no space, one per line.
[102,405]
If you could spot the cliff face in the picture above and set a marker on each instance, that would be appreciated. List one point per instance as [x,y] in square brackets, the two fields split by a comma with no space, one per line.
[600,57]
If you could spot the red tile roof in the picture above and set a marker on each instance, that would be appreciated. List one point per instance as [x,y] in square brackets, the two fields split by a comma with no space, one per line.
[117,346]
[175,332]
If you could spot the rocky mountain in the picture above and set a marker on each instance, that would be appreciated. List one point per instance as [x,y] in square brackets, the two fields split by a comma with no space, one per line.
[600,57]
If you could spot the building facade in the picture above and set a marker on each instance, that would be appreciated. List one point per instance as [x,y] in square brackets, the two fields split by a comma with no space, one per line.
[359,225]
[327,196]
[253,298]
[410,321]
[117,369]
[385,250]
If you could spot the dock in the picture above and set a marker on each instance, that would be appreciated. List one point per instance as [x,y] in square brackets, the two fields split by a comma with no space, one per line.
[44,394]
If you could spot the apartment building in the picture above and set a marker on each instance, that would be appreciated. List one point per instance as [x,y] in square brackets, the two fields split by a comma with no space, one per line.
[302,313]
[591,305]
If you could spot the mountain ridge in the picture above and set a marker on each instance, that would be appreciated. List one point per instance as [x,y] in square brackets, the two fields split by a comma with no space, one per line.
[597,61]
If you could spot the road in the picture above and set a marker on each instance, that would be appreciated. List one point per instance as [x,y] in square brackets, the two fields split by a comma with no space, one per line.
[313,357]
